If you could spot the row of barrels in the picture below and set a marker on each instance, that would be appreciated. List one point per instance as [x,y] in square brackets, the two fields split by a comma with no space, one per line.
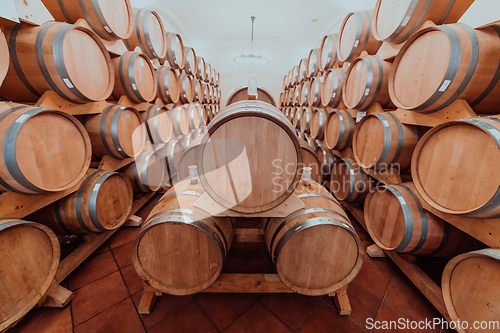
[72,61]
[392,22]
[143,28]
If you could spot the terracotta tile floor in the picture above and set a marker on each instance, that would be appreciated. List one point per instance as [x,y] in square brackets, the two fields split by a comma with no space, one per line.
[107,292]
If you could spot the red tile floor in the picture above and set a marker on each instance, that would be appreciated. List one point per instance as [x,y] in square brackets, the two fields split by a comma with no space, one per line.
[107,292]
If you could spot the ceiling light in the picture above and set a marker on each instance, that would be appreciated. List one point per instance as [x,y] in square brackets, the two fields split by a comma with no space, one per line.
[250,56]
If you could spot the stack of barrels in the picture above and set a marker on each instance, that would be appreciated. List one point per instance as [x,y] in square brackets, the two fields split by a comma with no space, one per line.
[182,246]
[155,98]
[450,167]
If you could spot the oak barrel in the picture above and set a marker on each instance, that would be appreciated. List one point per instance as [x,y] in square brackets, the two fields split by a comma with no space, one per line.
[194,113]
[396,221]
[68,59]
[304,94]
[465,65]
[118,132]
[180,120]
[242,171]
[134,78]
[455,166]
[302,69]
[175,51]
[181,249]
[189,157]
[158,123]
[186,94]
[111,20]
[340,127]
[316,250]
[295,75]
[315,91]
[167,85]
[200,63]
[197,90]
[318,123]
[44,150]
[103,202]
[326,156]
[311,160]
[329,56]
[171,152]
[470,290]
[30,257]
[355,36]
[396,21]
[367,82]
[306,119]
[348,181]
[333,82]
[313,63]
[190,65]
[4,57]
[148,35]
[295,118]
[186,141]
[382,142]
[147,172]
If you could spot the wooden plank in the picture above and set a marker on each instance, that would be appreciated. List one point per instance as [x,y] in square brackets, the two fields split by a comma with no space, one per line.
[423,282]
[52,100]
[15,205]
[484,230]
[341,301]
[109,163]
[248,235]
[57,297]
[248,283]
[389,51]
[33,12]
[388,177]
[374,251]
[457,110]
[124,100]
[346,153]
[133,221]
[148,300]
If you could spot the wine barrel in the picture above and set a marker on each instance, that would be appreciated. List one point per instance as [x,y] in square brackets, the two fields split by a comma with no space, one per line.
[311,142]
[134,78]
[118,132]
[197,90]
[194,114]
[318,123]
[200,243]
[235,182]
[111,20]
[367,82]
[313,63]
[43,151]
[4,57]
[348,181]
[430,81]
[68,59]
[328,51]
[311,160]
[190,66]
[167,85]
[470,290]
[147,172]
[208,73]
[355,36]
[180,120]
[175,51]
[319,239]
[396,21]
[171,152]
[158,123]
[295,75]
[200,74]
[103,202]
[339,130]
[148,34]
[327,158]
[292,112]
[304,94]
[30,257]
[296,118]
[469,187]
[315,91]
[186,141]
[306,119]
[333,82]
[396,221]
[209,113]
[302,70]
[186,94]
[285,82]
[189,157]
[204,112]
[381,142]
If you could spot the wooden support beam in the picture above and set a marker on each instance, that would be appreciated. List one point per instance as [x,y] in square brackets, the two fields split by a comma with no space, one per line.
[109,163]
[374,251]
[388,177]
[57,297]
[148,300]
[248,283]
[248,235]
[52,100]
[133,221]
[341,301]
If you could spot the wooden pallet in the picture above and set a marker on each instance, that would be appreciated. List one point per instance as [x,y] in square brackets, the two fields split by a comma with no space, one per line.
[245,283]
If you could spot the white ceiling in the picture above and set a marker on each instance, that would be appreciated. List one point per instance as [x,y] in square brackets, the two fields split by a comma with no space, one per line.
[218,30]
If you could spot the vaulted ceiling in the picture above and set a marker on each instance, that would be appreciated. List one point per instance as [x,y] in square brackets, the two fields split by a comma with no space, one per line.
[285,31]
